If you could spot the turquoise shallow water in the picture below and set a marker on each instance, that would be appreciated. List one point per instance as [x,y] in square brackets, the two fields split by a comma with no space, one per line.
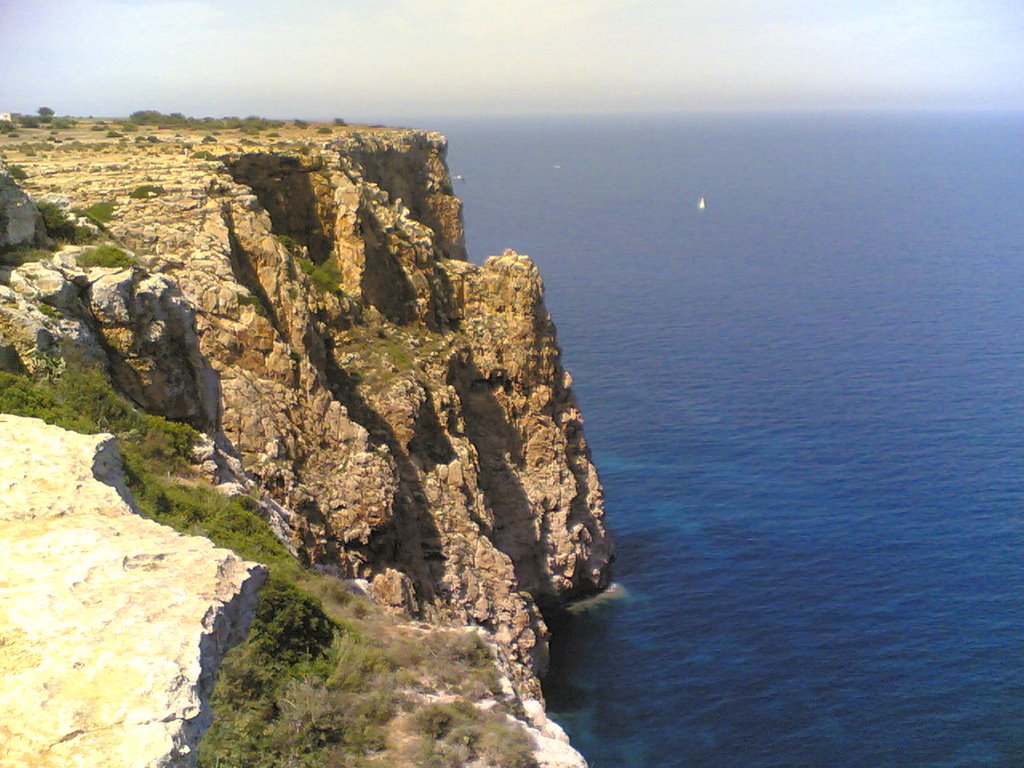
[805,403]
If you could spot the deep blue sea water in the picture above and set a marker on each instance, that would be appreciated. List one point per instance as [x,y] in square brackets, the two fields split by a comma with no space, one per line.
[806,406]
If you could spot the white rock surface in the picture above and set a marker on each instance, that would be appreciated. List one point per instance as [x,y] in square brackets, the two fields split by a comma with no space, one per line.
[111,625]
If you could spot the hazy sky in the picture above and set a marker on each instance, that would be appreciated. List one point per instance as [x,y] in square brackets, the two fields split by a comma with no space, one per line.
[388,58]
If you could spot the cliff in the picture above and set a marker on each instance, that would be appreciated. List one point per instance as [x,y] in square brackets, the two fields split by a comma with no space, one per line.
[402,413]
[111,626]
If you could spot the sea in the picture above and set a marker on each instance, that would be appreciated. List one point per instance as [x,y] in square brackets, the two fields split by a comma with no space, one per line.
[806,402]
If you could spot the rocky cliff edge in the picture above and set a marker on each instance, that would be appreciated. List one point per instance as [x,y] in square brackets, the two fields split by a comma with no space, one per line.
[111,626]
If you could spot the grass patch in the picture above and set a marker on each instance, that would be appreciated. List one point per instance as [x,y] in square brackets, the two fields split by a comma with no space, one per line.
[146,191]
[106,256]
[100,214]
[399,355]
[157,457]
[80,398]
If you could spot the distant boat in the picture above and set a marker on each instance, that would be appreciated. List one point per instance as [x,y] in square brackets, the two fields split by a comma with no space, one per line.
[701,205]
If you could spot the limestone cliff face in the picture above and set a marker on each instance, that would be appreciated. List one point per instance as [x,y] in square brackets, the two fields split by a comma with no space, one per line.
[111,626]
[403,411]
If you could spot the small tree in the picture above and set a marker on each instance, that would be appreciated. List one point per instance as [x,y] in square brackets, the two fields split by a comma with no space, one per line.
[45,114]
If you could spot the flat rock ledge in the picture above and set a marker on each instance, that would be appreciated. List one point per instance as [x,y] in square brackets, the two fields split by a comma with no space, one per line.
[111,626]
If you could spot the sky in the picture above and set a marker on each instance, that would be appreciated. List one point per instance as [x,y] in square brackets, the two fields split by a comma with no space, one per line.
[392,58]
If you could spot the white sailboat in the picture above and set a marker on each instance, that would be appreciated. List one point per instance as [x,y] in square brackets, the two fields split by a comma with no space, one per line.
[700,204]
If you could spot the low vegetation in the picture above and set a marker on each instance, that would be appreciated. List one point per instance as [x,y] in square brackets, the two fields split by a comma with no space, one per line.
[99,214]
[61,227]
[151,117]
[324,678]
[15,257]
[146,191]
[106,256]
[326,277]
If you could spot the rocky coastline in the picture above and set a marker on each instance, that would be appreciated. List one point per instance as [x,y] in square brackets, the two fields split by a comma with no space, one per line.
[396,414]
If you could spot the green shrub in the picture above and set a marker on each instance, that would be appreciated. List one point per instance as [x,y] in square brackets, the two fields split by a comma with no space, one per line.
[326,277]
[6,127]
[179,120]
[112,134]
[146,191]
[324,129]
[60,227]
[81,399]
[300,123]
[455,733]
[106,256]
[291,626]
[100,213]
[17,172]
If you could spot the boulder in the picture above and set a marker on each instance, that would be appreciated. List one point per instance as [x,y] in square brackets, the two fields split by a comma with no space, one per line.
[111,626]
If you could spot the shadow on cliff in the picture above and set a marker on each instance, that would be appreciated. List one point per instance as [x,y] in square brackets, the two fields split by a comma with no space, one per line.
[284,186]
[412,543]
[500,449]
